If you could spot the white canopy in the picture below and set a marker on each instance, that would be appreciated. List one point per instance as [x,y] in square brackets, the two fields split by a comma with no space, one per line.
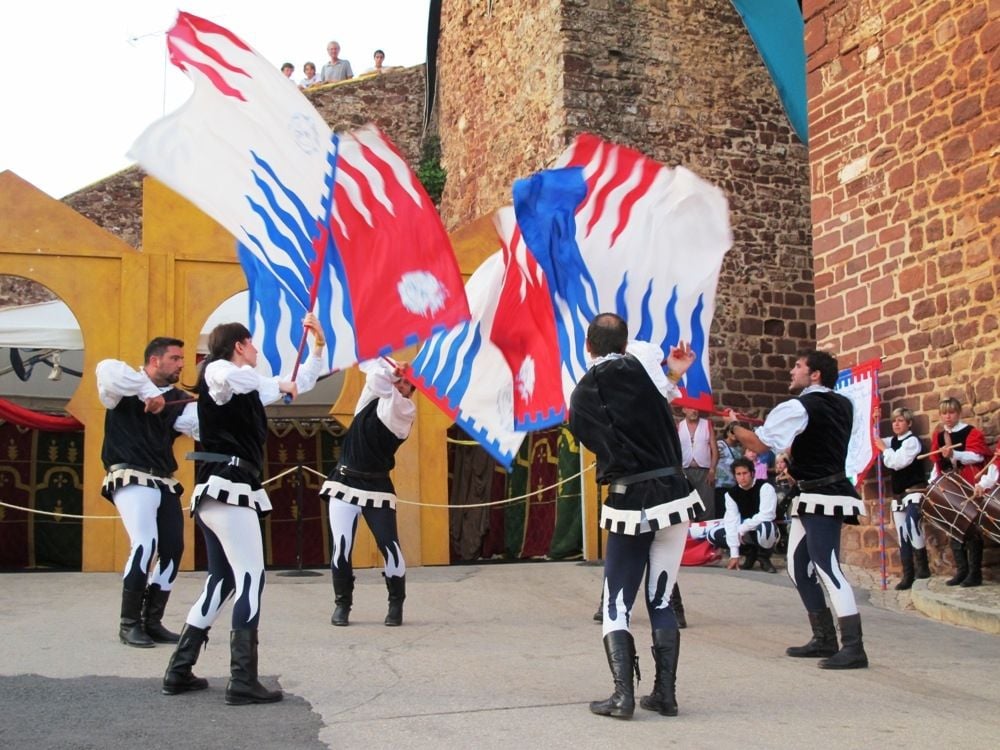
[52,325]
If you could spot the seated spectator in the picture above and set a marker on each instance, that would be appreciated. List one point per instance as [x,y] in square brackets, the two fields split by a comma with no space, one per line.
[748,526]
[336,69]
[287,69]
[784,483]
[311,78]
[729,450]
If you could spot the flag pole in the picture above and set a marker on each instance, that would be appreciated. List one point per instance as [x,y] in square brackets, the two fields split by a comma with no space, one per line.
[881,493]
[319,244]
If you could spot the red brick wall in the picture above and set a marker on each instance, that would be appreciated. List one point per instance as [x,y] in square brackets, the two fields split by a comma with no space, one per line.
[904,126]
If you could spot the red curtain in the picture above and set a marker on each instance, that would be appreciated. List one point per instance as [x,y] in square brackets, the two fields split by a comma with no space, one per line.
[36,420]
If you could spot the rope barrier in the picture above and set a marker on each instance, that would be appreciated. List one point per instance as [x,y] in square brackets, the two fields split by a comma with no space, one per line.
[490,504]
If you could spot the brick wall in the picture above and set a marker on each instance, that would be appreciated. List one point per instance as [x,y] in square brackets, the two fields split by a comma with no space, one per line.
[904,120]
[680,81]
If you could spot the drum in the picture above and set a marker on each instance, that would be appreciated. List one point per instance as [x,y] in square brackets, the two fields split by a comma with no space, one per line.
[989,516]
[949,505]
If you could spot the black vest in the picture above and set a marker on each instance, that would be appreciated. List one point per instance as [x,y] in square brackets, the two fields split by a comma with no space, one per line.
[620,415]
[913,475]
[133,436]
[747,501]
[368,446]
[236,428]
[821,449]
[959,436]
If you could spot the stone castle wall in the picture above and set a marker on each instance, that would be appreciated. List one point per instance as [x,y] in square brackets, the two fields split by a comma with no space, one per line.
[680,81]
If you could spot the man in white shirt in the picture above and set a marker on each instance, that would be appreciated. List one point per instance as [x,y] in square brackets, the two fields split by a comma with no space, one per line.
[336,69]
[699,455]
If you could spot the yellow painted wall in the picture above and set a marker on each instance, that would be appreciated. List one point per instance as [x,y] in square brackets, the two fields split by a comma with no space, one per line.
[122,297]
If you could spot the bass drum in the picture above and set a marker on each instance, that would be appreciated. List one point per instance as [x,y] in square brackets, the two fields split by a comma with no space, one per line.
[989,515]
[949,505]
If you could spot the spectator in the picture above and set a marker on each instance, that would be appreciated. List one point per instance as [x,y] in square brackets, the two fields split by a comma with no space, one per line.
[729,450]
[311,78]
[784,483]
[336,69]
[379,59]
[748,526]
[699,457]
[287,69]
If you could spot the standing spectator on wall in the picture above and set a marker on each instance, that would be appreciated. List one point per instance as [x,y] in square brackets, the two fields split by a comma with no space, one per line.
[311,78]
[699,456]
[336,69]
[377,68]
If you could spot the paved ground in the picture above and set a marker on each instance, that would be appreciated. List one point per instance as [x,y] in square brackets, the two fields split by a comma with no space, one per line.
[495,656]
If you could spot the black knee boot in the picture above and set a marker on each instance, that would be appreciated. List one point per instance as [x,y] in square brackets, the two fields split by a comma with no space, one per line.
[974,555]
[343,599]
[852,654]
[961,564]
[130,630]
[920,567]
[764,558]
[179,678]
[620,649]
[397,593]
[677,605]
[906,581]
[152,615]
[824,640]
[666,648]
[599,614]
[749,552]
[243,688]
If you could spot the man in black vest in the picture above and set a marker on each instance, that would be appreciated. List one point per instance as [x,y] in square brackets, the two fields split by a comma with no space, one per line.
[145,414]
[748,525]
[620,411]
[817,428]
[901,457]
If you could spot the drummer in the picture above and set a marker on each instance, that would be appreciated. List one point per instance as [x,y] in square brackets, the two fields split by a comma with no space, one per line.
[961,448]
[991,478]
[901,456]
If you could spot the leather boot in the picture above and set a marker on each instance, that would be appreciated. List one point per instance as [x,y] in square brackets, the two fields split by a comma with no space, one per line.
[906,581]
[677,605]
[824,640]
[749,556]
[961,564]
[974,554]
[397,593]
[666,648]
[343,599]
[179,678]
[921,568]
[764,558]
[599,614]
[243,688]
[130,630]
[620,649]
[152,615]
[852,654]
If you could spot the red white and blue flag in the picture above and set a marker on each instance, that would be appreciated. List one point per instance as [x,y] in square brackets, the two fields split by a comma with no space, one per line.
[498,375]
[618,232]
[860,385]
[318,218]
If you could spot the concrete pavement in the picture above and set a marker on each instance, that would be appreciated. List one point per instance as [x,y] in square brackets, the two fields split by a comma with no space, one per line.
[492,656]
